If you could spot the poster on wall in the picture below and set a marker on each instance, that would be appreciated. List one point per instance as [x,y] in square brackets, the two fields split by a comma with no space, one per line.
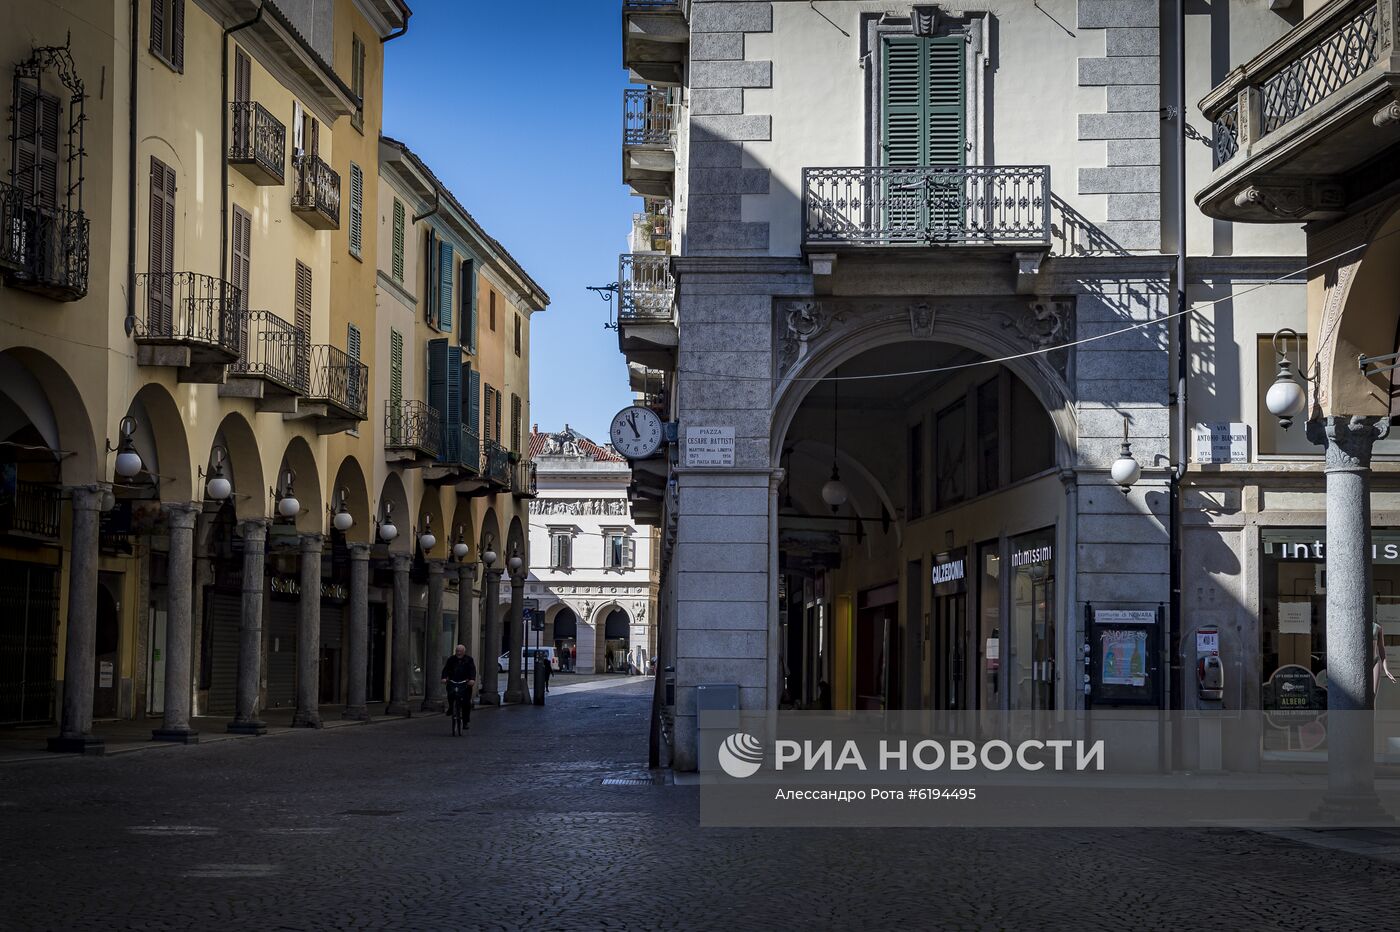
[1295,617]
[1123,656]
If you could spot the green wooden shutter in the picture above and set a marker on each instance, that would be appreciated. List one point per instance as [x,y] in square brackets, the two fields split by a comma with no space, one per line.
[904,99]
[923,123]
[396,367]
[468,302]
[474,401]
[357,208]
[445,394]
[397,268]
[945,132]
[430,280]
[445,268]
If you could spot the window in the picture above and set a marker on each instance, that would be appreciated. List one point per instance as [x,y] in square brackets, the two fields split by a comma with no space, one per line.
[357,80]
[488,398]
[445,395]
[923,115]
[950,460]
[496,407]
[431,279]
[468,302]
[395,369]
[472,382]
[916,470]
[519,333]
[988,437]
[303,325]
[1032,433]
[561,549]
[352,342]
[445,267]
[621,549]
[396,262]
[515,422]
[35,171]
[168,32]
[160,287]
[357,208]
[1272,438]
[242,254]
[493,310]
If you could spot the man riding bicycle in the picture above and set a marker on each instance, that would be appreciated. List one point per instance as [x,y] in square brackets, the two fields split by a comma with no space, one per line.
[459,673]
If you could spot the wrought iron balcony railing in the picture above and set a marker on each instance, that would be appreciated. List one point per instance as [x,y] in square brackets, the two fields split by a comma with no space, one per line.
[523,479]
[317,194]
[1326,52]
[931,205]
[32,509]
[651,6]
[496,463]
[339,381]
[188,308]
[648,117]
[273,349]
[42,249]
[258,141]
[412,425]
[646,289]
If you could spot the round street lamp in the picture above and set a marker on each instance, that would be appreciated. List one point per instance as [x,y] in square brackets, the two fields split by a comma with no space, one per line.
[834,490]
[343,520]
[1286,398]
[128,462]
[287,504]
[1125,470]
[387,529]
[218,487]
[427,541]
[515,564]
[459,546]
[488,556]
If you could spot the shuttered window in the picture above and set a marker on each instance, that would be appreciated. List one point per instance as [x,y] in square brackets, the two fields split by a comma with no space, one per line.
[445,267]
[445,394]
[396,263]
[468,303]
[430,280]
[515,422]
[168,32]
[357,207]
[519,333]
[492,303]
[303,325]
[242,263]
[242,76]
[487,397]
[160,263]
[36,145]
[395,367]
[473,384]
[357,79]
[496,407]
[352,342]
[924,113]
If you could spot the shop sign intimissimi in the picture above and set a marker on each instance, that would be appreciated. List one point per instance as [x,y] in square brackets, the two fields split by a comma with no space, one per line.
[1385,548]
[1042,554]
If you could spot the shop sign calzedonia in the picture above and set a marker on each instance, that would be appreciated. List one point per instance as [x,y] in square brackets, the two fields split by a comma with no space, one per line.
[709,446]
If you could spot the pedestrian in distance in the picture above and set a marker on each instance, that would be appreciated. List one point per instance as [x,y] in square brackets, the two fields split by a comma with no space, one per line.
[461,668]
[548,670]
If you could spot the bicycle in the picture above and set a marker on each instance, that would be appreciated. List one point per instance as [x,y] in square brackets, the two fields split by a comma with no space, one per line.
[458,695]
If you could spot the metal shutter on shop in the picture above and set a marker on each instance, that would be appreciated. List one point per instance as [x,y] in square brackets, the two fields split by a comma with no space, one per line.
[281,655]
[225,613]
[28,641]
[332,625]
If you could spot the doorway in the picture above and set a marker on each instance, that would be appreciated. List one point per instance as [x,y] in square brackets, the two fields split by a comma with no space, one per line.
[377,653]
[950,652]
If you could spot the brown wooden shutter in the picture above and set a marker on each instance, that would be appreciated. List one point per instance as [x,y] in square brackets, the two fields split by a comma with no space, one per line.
[160,282]
[36,146]
[158,27]
[177,34]
[486,425]
[303,324]
[242,77]
[242,263]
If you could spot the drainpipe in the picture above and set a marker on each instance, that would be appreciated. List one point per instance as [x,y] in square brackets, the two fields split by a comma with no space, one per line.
[1183,359]
[130,323]
[223,141]
[437,205]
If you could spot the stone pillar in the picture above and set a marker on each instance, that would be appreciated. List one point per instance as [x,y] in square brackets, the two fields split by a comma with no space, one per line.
[245,718]
[358,635]
[1347,442]
[308,713]
[179,624]
[490,680]
[399,662]
[466,614]
[515,684]
[434,696]
[80,646]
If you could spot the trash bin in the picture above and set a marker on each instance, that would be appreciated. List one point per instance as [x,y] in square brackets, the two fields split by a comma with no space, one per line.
[716,718]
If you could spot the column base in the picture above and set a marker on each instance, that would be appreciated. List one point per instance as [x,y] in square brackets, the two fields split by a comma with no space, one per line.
[515,697]
[434,705]
[398,708]
[488,698]
[302,719]
[355,713]
[78,744]
[1360,809]
[175,735]
[253,727]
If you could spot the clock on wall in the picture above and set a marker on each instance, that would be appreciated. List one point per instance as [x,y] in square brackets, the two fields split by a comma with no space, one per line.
[636,432]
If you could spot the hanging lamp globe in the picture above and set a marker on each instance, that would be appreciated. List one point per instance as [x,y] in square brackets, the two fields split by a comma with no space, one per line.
[834,491]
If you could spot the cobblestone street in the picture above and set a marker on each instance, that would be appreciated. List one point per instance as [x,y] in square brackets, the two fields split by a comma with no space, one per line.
[398,825]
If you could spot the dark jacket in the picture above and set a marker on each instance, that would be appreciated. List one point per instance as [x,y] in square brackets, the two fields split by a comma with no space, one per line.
[459,668]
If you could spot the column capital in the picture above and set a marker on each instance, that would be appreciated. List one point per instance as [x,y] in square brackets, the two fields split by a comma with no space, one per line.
[435,567]
[1347,441]
[400,562]
[311,543]
[359,550]
[496,571]
[181,514]
[86,497]
[253,529]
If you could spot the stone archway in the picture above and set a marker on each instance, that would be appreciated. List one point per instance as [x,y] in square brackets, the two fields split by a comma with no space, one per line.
[161,441]
[392,508]
[38,390]
[305,480]
[351,488]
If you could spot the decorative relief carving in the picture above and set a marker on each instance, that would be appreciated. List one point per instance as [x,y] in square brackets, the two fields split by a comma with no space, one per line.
[1331,311]
[597,507]
[1348,441]
[921,318]
[802,322]
[926,19]
[1049,323]
[1294,201]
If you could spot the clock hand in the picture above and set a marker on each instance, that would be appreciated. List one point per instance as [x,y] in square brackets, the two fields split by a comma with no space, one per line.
[632,419]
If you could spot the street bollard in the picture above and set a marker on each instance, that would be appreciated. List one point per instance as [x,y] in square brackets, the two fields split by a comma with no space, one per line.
[539,680]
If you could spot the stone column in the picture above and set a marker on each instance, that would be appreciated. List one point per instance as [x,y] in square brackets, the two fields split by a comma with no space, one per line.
[490,678]
[308,713]
[399,662]
[80,646]
[434,696]
[358,635]
[515,684]
[466,622]
[1347,442]
[179,624]
[245,719]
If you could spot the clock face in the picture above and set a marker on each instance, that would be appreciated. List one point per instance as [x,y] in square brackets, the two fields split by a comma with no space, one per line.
[636,432]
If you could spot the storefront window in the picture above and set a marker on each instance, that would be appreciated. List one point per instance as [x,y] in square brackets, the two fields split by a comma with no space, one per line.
[989,623]
[1033,618]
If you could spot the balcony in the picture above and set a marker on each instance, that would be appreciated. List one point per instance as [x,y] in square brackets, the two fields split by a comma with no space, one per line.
[31,510]
[523,482]
[1297,131]
[412,433]
[926,206]
[271,365]
[42,249]
[316,198]
[648,141]
[458,460]
[188,321]
[496,465]
[257,146]
[338,395]
[646,321]
[654,40]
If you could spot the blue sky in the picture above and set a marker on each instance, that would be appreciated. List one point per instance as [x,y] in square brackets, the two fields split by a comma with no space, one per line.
[531,145]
